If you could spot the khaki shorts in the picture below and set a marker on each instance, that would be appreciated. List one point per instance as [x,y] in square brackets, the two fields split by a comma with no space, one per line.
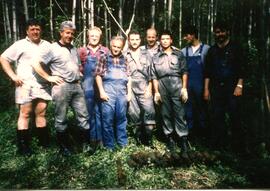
[30,91]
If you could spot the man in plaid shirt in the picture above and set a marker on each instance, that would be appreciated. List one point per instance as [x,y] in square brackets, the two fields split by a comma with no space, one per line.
[113,82]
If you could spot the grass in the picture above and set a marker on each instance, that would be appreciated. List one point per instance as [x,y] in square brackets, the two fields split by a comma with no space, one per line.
[46,169]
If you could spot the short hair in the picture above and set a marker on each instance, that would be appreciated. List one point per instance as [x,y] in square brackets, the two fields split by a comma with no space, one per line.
[32,22]
[67,24]
[166,32]
[96,29]
[121,38]
[133,32]
[191,29]
[222,25]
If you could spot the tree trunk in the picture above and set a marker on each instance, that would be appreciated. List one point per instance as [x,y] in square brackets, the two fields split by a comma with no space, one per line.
[180,23]
[51,20]
[91,2]
[14,21]
[106,27]
[83,2]
[73,18]
[25,5]
[120,15]
[153,10]
[165,14]
[170,3]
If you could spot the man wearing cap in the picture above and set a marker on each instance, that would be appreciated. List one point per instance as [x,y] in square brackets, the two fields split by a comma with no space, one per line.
[63,59]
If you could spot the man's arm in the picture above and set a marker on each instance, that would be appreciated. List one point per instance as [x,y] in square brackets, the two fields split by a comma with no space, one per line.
[53,79]
[206,92]
[238,91]
[102,92]
[9,71]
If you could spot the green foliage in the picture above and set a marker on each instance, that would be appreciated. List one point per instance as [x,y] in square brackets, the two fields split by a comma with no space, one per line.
[46,169]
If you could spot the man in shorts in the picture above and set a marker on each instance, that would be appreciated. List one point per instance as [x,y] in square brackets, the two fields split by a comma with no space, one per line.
[32,92]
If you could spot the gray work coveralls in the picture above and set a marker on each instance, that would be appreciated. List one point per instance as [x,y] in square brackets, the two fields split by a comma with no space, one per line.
[168,70]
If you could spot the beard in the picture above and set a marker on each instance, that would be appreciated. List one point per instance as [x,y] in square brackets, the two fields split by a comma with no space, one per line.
[221,39]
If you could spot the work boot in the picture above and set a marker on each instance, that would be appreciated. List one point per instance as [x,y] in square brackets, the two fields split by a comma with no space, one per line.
[184,147]
[62,138]
[170,144]
[23,139]
[87,147]
[148,135]
[43,136]
[138,134]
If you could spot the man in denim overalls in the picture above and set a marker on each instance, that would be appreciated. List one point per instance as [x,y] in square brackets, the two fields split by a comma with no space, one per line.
[89,56]
[112,79]
[195,53]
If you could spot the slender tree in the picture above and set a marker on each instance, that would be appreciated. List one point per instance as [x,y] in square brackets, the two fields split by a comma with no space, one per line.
[25,5]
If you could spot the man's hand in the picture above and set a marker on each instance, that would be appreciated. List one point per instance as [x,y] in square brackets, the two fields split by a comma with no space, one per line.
[206,94]
[104,96]
[18,81]
[129,97]
[184,95]
[55,79]
[238,91]
[148,92]
[157,98]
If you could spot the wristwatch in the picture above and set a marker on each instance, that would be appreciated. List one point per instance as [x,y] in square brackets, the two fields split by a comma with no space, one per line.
[239,86]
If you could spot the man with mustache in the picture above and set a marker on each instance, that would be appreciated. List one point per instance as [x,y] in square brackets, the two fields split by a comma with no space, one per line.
[224,74]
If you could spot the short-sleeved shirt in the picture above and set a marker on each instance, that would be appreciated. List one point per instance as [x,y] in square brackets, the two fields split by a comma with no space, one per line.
[63,61]
[23,53]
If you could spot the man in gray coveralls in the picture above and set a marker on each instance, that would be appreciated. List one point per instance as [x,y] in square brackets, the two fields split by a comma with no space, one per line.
[141,107]
[169,72]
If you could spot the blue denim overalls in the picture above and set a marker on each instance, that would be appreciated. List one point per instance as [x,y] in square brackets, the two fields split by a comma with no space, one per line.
[114,110]
[91,98]
[194,106]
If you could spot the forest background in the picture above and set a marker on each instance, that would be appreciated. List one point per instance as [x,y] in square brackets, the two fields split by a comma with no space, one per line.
[250,24]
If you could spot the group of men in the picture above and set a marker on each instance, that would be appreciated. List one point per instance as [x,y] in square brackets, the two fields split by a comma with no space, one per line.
[107,88]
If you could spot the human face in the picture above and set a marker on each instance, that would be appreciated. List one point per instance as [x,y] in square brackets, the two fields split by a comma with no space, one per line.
[94,38]
[189,38]
[151,38]
[116,47]
[165,41]
[221,35]
[34,32]
[134,41]
[67,36]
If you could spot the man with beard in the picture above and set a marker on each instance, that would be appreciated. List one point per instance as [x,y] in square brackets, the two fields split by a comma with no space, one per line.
[224,73]
[141,107]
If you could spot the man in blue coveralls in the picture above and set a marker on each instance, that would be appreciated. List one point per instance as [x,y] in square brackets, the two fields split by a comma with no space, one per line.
[112,77]
[89,56]
[224,75]
[141,107]
[195,53]
[169,72]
